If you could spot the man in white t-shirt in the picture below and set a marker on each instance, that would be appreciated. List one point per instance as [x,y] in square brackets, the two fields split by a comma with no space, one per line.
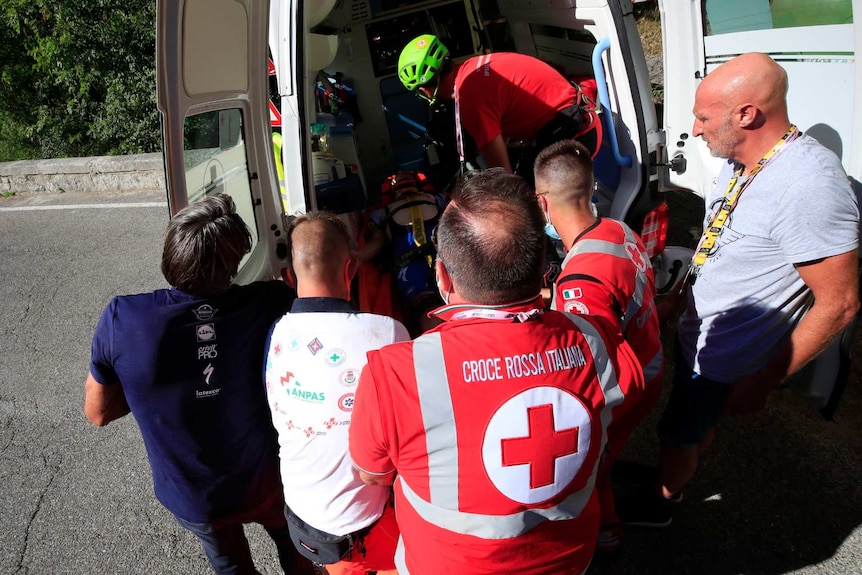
[315,355]
[775,276]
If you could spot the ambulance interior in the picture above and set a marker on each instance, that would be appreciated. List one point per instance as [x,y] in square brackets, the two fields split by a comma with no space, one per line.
[364,125]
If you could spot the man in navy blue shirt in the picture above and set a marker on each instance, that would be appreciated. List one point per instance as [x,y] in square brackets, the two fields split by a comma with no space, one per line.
[187,363]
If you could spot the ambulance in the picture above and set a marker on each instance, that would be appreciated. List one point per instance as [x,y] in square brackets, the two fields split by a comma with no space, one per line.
[345,122]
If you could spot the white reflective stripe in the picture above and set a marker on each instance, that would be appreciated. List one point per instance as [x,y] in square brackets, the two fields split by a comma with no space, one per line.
[497,526]
[482,60]
[435,401]
[459,137]
[642,278]
[637,299]
[400,559]
[590,246]
[600,247]
[601,361]
[653,368]
[604,369]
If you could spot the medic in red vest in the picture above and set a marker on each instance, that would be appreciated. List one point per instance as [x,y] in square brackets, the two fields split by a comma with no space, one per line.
[492,425]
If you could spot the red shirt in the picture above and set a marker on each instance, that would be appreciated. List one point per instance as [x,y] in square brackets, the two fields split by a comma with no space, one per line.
[510,94]
[608,273]
[495,426]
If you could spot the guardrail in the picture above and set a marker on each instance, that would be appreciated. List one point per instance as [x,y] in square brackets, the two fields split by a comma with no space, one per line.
[93,174]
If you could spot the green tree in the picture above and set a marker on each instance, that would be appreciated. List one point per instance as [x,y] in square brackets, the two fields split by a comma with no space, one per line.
[78,76]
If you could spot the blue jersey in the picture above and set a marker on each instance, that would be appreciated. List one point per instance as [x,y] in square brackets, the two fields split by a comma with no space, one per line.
[191,370]
[412,257]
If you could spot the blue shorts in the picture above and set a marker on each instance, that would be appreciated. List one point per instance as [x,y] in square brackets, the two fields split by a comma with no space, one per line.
[694,407]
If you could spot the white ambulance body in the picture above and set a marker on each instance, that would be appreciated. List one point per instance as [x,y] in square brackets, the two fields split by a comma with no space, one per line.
[215,99]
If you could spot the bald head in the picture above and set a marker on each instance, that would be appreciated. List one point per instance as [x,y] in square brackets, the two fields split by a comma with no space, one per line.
[320,250]
[750,78]
[740,108]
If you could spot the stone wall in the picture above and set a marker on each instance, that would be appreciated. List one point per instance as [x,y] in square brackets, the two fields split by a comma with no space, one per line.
[96,174]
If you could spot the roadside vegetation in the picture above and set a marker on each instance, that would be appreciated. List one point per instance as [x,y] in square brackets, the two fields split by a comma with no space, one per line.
[77,78]
[649,26]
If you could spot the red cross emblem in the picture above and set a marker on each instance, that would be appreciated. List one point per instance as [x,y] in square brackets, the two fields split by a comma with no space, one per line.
[635,255]
[542,447]
[537,443]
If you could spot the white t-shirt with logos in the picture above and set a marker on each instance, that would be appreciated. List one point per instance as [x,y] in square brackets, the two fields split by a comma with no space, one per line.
[312,369]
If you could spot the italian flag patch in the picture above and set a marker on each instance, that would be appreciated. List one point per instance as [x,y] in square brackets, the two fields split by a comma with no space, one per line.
[574,293]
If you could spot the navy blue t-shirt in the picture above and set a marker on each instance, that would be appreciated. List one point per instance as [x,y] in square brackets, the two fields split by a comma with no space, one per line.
[191,372]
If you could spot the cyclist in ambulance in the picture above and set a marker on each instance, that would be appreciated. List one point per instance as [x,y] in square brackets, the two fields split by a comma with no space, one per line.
[399,231]
[501,97]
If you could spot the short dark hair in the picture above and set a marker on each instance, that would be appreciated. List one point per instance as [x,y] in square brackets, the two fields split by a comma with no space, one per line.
[491,238]
[204,244]
[567,166]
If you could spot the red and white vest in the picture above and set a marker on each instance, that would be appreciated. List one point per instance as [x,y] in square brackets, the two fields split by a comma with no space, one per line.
[495,422]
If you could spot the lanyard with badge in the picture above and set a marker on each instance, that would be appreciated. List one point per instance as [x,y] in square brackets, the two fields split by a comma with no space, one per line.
[729,202]
[468,311]
[459,135]
[515,317]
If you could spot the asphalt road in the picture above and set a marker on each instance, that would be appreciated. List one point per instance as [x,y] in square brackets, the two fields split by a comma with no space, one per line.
[779,492]
[75,498]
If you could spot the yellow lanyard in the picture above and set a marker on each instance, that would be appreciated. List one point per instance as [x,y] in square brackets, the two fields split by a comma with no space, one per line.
[731,197]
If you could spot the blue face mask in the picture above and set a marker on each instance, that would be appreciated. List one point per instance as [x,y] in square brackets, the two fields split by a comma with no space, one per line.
[551,231]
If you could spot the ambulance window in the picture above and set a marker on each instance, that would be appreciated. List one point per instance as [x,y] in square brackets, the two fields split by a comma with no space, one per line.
[563,33]
[215,161]
[568,50]
[726,16]
[386,38]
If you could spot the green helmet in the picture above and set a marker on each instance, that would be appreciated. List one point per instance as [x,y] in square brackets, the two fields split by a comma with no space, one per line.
[421,60]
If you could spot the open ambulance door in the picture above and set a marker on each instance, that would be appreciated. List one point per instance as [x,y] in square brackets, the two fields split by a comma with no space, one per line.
[213,94]
[599,39]
[816,41]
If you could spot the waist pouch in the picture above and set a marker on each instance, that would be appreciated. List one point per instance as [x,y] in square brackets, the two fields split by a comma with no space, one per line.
[574,122]
[564,125]
[580,121]
[319,546]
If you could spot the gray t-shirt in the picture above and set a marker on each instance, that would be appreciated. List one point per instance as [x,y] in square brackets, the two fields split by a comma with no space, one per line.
[749,296]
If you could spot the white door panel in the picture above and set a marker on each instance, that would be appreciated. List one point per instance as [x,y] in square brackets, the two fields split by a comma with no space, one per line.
[212,85]
[220,66]
[684,64]
[285,34]
[820,66]
[823,71]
